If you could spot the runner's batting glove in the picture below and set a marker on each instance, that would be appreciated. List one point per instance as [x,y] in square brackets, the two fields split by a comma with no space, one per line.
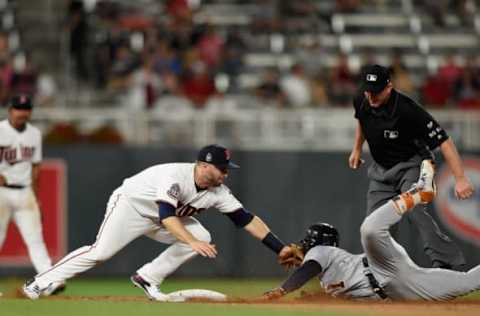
[274,294]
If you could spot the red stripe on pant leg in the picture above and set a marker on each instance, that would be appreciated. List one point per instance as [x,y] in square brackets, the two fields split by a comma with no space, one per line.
[91,247]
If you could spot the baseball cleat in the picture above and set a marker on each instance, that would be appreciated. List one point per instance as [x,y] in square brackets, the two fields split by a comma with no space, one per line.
[31,289]
[54,288]
[426,184]
[423,191]
[152,291]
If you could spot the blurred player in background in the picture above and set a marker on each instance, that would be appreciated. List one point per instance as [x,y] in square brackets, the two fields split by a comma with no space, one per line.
[160,202]
[20,156]
[400,134]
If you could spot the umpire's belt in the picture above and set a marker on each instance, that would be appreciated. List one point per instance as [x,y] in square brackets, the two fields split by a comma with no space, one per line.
[373,282]
[14,186]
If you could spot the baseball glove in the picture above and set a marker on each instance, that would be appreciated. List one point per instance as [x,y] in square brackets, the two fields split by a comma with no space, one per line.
[291,256]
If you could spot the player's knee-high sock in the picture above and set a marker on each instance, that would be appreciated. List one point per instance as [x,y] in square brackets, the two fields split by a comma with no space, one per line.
[423,192]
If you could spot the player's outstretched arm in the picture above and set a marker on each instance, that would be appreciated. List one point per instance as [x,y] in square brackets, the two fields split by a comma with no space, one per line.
[463,187]
[296,280]
[258,229]
[175,226]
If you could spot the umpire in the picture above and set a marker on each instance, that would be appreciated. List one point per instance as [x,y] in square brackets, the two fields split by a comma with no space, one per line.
[400,135]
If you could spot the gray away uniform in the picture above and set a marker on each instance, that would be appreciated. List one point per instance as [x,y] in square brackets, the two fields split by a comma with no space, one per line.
[344,275]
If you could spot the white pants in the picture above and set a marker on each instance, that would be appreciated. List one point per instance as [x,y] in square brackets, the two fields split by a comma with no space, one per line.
[121,225]
[22,206]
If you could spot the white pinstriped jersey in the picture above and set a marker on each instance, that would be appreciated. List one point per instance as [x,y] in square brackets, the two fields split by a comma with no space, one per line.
[18,150]
[174,183]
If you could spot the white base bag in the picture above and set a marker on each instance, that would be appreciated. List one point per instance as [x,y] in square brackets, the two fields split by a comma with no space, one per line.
[185,295]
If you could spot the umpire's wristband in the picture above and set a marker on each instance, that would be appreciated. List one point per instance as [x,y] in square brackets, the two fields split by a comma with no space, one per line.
[272,242]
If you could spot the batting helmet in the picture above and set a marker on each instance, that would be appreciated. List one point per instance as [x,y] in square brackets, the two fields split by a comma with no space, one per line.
[320,234]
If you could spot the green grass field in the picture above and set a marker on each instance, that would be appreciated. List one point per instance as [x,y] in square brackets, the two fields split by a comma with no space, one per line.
[118,297]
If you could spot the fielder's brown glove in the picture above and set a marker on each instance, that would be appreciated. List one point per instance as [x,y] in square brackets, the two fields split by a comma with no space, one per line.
[274,294]
[291,256]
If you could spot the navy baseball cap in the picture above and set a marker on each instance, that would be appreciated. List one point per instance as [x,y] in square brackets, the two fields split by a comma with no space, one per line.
[375,78]
[21,102]
[216,155]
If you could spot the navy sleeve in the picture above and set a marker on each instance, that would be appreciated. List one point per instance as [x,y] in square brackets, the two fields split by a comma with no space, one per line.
[165,210]
[302,275]
[240,217]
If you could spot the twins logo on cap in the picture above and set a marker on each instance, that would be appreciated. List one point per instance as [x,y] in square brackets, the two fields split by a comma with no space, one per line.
[371,77]
[208,157]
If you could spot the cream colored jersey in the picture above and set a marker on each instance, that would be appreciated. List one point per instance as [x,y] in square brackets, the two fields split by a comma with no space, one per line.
[18,151]
[173,183]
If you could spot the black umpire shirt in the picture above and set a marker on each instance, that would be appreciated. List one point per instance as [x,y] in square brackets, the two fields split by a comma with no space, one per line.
[397,130]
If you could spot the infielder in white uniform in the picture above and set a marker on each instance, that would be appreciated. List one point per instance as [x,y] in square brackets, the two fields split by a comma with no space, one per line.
[159,202]
[384,271]
[20,157]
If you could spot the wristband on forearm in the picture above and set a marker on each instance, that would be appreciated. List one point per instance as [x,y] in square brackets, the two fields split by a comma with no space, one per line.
[272,242]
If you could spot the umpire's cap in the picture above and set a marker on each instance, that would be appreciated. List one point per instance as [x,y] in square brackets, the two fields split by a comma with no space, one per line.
[216,155]
[375,78]
[21,102]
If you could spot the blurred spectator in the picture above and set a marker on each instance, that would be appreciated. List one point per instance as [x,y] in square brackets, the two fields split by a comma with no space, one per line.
[109,38]
[269,90]
[268,19]
[46,89]
[466,89]
[179,10]
[301,15]
[342,85]
[296,87]
[4,47]
[232,60]
[144,86]
[210,47]
[182,36]
[165,59]
[6,75]
[24,78]
[400,76]
[465,11]
[135,20]
[198,85]
[319,90]
[78,28]
[123,65]
[450,71]
[171,83]
[435,91]
[438,10]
